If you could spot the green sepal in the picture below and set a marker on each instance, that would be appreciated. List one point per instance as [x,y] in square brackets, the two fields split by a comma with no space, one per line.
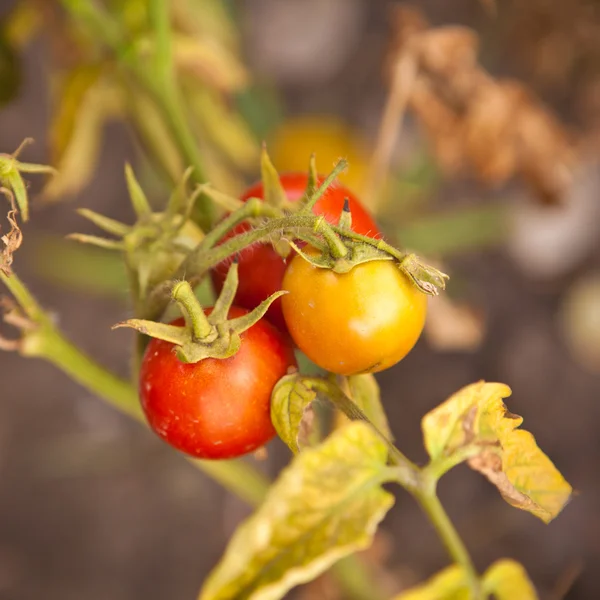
[221,199]
[273,191]
[95,240]
[10,176]
[178,201]
[427,278]
[313,176]
[105,223]
[241,324]
[139,201]
[162,331]
[227,295]
[13,181]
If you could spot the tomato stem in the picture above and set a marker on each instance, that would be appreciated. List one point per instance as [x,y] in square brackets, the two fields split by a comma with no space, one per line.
[253,208]
[426,496]
[206,256]
[310,203]
[193,313]
[337,248]
[406,472]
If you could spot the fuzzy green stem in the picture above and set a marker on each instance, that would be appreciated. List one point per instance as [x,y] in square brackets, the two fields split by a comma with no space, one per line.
[253,208]
[439,467]
[49,344]
[339,167]
[336,246]
[193,313]
[25,300]
[427,497]
[201,260]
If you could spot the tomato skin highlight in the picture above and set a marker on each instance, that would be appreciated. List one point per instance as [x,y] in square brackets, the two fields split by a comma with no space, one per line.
[214,408]
[261,269]
[363,321]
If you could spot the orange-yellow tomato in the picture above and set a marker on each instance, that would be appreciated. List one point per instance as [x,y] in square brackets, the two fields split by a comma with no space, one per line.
[363,321]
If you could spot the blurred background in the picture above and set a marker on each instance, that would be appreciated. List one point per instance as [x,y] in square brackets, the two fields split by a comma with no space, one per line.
[493,174]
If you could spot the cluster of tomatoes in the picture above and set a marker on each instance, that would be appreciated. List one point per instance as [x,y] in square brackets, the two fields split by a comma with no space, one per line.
[362,321]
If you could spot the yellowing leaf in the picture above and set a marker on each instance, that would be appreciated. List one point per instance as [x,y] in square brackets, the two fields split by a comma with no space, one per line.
[325,505]
[210,61]
[225,129]
[508,580]
[474,424]
[449,584]
[504,580]
[289,400]
[86,102]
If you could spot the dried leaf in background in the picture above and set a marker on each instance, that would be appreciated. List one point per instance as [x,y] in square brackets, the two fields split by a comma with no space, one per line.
[492,128]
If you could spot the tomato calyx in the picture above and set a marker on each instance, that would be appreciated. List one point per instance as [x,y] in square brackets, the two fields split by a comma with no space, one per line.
[207,333]
[343,249]
[158,242]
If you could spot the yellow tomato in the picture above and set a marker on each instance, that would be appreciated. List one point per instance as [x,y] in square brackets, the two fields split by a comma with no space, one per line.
[363,321]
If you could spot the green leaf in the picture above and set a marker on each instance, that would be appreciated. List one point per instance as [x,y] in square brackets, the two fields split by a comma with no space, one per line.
[273,191]
[260,106]
[507,580]
[449,584]
[289,401]
[458,231]
[475,425]
[325,505]
[77,267]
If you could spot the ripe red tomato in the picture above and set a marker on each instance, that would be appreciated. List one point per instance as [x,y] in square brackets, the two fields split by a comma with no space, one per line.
[215,408]
[261,269]
[362,321]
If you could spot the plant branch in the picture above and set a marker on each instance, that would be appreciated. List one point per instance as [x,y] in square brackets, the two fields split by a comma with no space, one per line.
[43,340]
[426,496]
[160,83]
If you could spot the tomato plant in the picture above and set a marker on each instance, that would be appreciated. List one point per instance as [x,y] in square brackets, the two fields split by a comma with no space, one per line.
[215,408]
[222,381]
[363,321]
[261,268]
